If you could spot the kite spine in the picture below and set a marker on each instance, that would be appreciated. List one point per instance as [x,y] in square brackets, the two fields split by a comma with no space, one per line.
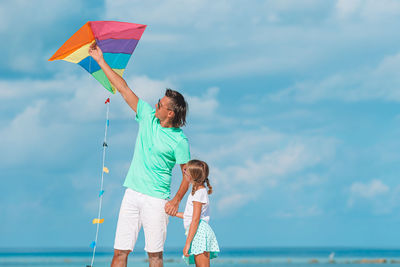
[102,182]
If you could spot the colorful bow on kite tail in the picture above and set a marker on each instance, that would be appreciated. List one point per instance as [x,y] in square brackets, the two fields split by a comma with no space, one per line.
[116,39]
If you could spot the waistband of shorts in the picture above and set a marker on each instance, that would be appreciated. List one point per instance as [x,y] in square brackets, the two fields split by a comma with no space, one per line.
[143,194]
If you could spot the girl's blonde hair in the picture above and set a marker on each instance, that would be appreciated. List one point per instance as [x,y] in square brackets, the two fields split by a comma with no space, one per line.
[198,171]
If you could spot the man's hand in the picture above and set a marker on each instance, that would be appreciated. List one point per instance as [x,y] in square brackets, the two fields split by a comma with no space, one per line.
[171,208]
[95,52]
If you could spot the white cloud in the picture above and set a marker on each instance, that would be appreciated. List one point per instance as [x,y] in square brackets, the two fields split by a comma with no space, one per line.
[51,114]
[150,89]
[368,190]
[378,83]
[13,90]
[81,97]
[368,9]
[204,105]
[28,30]
[17,11]
[234,201]
[234,144]
[86,105]
[26,136]
[309,180]
[241,38]
[374,196]
[172,13]
[347,7]
[176,13]
[246,163]
[242,170]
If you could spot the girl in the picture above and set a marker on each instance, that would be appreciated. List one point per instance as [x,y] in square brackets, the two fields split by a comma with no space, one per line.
[201,243]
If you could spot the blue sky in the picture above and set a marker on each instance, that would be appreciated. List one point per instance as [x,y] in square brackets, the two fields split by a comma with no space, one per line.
[294,105]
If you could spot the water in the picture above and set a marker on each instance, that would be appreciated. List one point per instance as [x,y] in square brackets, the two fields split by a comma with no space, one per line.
[282,257]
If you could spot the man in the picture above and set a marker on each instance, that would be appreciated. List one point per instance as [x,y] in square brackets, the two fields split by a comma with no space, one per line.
[160,145]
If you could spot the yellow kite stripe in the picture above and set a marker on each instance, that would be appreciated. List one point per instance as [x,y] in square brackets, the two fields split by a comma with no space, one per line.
[79,54]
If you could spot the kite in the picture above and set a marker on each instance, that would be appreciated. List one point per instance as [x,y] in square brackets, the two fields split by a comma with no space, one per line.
[117,40]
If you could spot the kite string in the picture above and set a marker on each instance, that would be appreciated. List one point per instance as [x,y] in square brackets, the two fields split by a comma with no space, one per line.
[101,186]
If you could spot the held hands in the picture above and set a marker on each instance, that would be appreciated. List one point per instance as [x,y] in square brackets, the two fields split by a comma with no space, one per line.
[95,52]
[171,208]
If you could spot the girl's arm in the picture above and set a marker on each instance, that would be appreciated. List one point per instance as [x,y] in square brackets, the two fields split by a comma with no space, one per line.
[193,226]
[179,215]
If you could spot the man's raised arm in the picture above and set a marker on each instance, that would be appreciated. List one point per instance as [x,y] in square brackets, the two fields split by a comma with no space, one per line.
[117,81]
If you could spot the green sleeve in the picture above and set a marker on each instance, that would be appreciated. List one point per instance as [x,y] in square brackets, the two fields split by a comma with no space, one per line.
[182,152]
[143,109]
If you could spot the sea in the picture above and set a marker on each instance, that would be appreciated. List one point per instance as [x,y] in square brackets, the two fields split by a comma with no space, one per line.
[271,256]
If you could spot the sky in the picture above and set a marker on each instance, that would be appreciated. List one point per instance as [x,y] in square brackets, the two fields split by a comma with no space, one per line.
[293,104]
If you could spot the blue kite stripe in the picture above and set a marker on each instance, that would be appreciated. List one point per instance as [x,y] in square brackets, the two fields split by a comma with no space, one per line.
[115,61]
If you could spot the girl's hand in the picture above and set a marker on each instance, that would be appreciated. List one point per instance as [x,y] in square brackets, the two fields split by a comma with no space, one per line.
[186,250]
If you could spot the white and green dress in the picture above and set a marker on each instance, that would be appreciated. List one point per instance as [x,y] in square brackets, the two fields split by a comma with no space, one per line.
[204,239]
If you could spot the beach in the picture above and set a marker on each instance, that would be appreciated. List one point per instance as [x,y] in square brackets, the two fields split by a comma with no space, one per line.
[228,257]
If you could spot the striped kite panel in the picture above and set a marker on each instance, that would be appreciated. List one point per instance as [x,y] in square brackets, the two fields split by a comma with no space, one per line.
[116,39]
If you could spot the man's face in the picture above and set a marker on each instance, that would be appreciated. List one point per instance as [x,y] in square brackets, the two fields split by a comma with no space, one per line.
[163,110]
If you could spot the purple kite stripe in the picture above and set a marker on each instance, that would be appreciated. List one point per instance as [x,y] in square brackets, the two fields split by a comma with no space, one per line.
[125,46]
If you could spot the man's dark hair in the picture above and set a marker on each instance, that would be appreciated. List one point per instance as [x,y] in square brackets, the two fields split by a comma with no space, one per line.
[179,106]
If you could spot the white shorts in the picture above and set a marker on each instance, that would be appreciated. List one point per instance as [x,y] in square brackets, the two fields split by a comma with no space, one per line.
[136,210]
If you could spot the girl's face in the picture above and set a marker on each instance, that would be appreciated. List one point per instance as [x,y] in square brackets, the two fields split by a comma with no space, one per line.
[187,175]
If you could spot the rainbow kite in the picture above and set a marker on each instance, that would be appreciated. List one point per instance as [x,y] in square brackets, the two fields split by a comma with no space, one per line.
[116,39]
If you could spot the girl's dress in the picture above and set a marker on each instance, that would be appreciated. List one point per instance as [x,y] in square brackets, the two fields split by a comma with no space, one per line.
[204,240]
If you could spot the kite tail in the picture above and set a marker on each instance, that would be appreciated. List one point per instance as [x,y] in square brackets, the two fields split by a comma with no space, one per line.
[97,220]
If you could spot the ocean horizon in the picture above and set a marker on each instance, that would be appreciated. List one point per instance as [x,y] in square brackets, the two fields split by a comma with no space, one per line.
[229,256]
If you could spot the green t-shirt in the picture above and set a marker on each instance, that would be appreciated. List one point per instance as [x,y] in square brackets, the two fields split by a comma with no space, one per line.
[157,150]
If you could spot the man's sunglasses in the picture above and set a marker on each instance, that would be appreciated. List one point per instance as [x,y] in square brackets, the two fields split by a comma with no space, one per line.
[159,105]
